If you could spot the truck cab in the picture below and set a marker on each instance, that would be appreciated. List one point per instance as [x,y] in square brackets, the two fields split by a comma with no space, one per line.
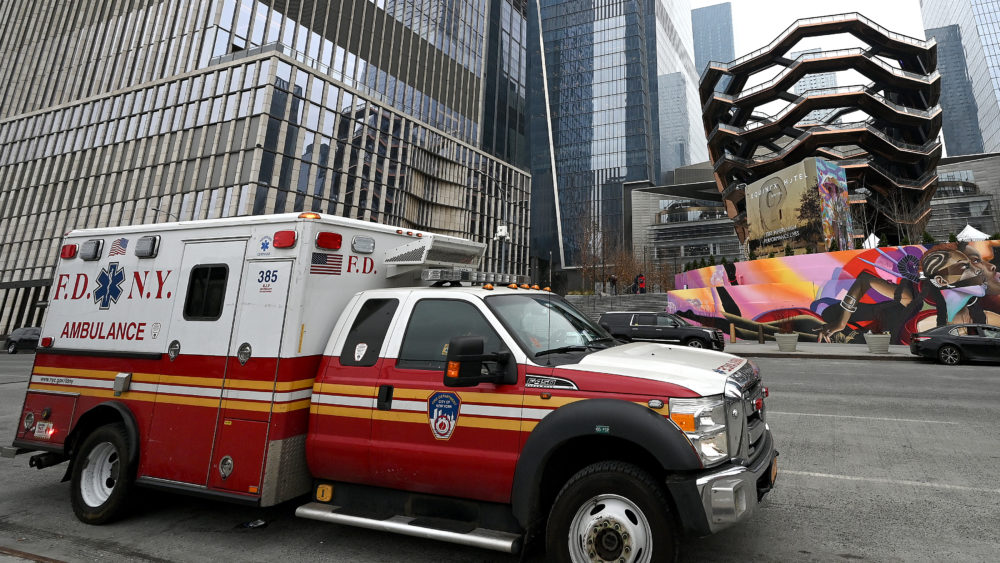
[479,397]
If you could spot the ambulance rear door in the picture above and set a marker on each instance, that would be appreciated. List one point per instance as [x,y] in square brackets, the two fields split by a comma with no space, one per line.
[189,390]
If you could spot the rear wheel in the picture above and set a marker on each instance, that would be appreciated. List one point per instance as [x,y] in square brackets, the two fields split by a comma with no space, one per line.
[102,475]
[611,511]
[949,355]
[12,348]
[696,343]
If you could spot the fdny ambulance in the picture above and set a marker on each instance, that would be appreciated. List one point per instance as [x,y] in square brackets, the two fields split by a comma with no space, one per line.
[259,359]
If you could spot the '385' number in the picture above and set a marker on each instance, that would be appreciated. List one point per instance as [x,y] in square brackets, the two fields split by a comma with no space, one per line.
[267,276]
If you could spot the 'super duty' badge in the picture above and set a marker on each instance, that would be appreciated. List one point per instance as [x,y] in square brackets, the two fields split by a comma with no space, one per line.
[442,410]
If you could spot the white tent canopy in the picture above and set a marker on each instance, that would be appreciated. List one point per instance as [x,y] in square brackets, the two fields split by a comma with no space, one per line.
[970,233]
[871,242]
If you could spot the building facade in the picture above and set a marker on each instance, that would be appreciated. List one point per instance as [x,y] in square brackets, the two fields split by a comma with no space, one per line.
[968,193]
[134,111]
[599,117]
[968,35]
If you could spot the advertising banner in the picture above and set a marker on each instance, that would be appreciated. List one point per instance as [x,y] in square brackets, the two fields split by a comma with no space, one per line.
[791,208]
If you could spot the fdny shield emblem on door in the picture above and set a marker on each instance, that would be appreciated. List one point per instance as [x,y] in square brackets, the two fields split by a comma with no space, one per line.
[442,410]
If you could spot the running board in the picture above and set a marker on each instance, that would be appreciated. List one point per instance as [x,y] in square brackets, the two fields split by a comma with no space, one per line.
[479,537]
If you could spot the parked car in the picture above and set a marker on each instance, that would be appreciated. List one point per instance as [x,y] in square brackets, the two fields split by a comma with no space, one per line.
[24,338]
[953,344]
[660,327]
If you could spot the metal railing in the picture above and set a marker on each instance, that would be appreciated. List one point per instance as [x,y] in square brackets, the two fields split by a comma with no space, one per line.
[923,43]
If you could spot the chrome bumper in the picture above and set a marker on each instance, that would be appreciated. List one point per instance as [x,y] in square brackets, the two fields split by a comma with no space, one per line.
[731,494]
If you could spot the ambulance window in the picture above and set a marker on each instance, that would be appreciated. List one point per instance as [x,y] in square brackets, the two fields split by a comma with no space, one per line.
[433,324]
[364,341]
[206,292]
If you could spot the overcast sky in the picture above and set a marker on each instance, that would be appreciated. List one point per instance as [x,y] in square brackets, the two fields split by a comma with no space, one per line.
[757,22]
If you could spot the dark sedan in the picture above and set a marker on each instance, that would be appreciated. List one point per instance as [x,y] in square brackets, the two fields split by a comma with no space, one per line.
[954,344]
[24,338]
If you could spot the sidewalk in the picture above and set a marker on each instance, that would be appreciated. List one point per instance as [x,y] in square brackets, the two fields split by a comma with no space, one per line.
[769,349]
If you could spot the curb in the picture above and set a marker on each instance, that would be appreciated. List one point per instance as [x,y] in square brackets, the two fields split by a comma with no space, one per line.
[875,357]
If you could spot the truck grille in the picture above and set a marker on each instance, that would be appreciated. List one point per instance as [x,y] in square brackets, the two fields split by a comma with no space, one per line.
[744,392]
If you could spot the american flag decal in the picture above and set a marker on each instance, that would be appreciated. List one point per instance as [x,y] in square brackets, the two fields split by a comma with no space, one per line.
[118,247]
[328,264]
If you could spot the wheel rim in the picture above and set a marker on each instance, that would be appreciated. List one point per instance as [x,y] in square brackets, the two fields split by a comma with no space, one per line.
[696,344]
[100,474]
[610,528]
[949,355]
[11,348]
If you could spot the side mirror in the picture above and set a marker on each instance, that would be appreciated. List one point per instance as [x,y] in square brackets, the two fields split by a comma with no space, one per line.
[464,367]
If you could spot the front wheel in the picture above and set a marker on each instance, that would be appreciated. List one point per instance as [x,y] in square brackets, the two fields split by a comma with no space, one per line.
[611,511]
[102,475]
[12,348]
[696,343]
[949,355]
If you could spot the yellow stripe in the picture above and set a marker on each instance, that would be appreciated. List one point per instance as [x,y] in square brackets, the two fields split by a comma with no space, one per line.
[489,423]
[350,412]
[494,398]
[335,389]
[400,416]
[294,406]
[554,402]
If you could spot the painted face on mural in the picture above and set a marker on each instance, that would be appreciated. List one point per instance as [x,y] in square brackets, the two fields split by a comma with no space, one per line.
[952,269]
[989,269]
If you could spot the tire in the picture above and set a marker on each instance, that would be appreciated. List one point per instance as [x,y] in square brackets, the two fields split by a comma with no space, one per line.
[696,343]
[949,355]
[613,510]
[12,348]
[102,475]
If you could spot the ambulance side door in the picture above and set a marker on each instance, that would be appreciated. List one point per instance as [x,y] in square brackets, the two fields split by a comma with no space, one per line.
[189,388]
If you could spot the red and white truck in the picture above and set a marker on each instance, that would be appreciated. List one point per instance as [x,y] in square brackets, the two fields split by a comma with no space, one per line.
[259,359]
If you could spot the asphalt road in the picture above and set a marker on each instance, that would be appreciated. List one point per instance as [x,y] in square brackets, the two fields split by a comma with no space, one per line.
[880,461]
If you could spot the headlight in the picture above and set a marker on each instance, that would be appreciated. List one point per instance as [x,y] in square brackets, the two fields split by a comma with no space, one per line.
[704,422]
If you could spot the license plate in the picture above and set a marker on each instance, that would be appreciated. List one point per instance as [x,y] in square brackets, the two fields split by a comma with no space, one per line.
[774,470]
[42,429]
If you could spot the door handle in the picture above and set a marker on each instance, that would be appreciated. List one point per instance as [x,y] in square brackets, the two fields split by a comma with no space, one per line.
[384,401]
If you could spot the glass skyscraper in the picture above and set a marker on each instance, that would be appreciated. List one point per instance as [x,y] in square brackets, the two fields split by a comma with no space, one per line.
[712,27]
[968,35]
[409,113]
[597,117]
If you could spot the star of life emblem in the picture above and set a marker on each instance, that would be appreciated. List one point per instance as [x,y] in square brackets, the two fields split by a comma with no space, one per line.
[109,285]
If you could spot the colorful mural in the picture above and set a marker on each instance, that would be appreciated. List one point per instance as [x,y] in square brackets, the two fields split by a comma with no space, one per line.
[832,180]
[838,296]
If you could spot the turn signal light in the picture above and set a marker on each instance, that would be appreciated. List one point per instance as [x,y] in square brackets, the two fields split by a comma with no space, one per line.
[684,420]
[68,251]
[452,370]
[767,392]
[284,239]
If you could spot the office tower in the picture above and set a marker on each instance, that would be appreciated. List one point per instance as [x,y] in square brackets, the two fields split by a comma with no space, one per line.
[712,28]
[960,127]
[402,112]
[596,114]
[967,34]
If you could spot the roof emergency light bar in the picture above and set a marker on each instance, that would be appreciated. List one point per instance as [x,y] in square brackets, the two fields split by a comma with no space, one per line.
[466,275]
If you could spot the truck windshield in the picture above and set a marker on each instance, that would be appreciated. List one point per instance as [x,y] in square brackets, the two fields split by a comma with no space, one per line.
[546,324]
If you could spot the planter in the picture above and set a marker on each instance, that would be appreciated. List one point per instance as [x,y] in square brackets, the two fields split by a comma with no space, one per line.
[786,341]
[878,343]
